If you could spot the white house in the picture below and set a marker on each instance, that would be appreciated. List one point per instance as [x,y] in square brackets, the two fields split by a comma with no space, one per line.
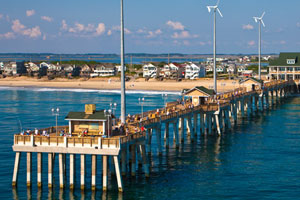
[118,67]
[103,70]
[242,68]
[193,71]
[231,69]
[149,70]
[221,69]
[209,68]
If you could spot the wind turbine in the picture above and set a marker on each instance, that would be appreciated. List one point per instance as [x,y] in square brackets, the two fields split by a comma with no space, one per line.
[260,22]
[123,95]
[215,9]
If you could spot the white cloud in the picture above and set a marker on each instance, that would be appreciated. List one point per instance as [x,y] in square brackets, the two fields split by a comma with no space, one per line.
[47,18]
[109,32]
[30,12]
[44,37]
[64,25]
[202,43]
[175,25]
[248,27]
[1,16]
[152,34]
[100,29]
[282,42]
[17,27]
[251,43]
[181,35]
[141,31]
[8,35]
[118,28]
[186,43]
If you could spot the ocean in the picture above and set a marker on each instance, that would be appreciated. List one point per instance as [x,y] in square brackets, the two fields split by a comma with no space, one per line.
[257,159]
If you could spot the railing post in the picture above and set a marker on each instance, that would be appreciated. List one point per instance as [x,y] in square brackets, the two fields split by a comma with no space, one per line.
[65,141]
[32,140]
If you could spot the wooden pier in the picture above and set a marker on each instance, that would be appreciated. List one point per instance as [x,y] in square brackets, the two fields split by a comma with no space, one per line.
[190,117]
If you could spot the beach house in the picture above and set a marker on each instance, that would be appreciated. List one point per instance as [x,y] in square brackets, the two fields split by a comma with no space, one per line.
[149,71]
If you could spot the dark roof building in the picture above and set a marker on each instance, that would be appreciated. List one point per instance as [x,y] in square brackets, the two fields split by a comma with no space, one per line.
[286,67]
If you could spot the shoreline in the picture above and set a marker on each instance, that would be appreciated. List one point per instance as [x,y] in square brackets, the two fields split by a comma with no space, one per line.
[114,85]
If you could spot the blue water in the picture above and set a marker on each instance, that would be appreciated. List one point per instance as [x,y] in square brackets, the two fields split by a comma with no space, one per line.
[257,159]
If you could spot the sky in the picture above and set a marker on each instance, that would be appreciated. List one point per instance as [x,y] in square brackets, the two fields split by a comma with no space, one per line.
[156,26]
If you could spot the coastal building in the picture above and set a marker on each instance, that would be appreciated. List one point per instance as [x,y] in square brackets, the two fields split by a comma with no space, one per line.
[91,121]
[14,68]
[251,84]
[193,71]
[231,69]
[241,69]
[149,71]
[286,67]
[86,71]
[103,70]
[247,73]
[199,94]
[209,68]
[221,69]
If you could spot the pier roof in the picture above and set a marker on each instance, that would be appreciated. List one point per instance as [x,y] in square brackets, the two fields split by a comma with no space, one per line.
[96,116]
[201,89]
[283,57]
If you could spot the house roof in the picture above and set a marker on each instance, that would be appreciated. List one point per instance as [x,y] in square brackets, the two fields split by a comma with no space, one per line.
[253,79]
[96,116]
[283,57]
[205,90]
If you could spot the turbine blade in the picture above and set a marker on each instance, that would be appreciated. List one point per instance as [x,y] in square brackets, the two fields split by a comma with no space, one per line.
[262,23]
[219,12]
[263,15]
[208,7]
[218,2]
[255,19]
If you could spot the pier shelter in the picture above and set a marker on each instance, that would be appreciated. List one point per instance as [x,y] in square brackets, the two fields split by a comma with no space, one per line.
[92,121]
[199,94]
[252,84]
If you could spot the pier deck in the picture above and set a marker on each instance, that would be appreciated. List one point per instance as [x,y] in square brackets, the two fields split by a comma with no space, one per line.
[215,115]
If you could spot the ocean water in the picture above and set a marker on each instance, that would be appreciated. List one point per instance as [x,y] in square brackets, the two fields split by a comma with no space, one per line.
[257,159]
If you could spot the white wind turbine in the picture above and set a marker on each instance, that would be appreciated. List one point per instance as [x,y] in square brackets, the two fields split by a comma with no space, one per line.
[215,9]
[260,22]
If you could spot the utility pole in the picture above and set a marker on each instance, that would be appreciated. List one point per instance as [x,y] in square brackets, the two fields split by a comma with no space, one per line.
[123,95]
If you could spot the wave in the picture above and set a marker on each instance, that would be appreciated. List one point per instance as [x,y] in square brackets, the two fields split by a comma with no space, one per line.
[46,89]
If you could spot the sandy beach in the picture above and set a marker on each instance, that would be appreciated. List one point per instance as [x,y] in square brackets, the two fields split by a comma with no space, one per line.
[115,84]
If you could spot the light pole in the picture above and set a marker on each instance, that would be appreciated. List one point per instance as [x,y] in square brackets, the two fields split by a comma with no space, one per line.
[113,107]
[107,114]
[123,95]
[55,112]
[141,102]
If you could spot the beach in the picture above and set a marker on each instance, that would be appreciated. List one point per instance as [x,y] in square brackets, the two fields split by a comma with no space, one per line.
[115,84]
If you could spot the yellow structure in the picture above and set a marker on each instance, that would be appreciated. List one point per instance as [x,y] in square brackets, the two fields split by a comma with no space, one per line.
[198,94]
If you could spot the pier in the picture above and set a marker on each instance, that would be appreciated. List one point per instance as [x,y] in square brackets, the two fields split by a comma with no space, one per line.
[200,112]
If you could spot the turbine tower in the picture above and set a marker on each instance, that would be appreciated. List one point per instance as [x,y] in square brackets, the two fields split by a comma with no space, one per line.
[123,95]
[215,9]
[260,22]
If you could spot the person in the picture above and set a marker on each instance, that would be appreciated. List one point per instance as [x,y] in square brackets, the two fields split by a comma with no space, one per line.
[122,129]
[28,132]
[22,132]
[44,133]
[127,131]
[36,132]
[142,128]
[85,132]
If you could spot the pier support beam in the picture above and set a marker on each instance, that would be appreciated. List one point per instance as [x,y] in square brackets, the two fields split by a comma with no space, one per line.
[181,128]
[94,171]
[166,136]
[29,168]
[202,125]
[175,134]
[217,120]
[158,139]
[149,138]
[118,173]
[195,124]
[72,170]
[16,169]
[82,171]
[50,170]
[104,168]
[39,169]
[61,171]
[124,160]
[145,161]
[133,159]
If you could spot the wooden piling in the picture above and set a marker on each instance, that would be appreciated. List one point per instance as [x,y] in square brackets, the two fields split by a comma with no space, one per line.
[104,175]
[16,169]
[72,170]
[124,160]
[118,173]
[50,170]
[158,140]
[82,171]
[94,171]
[39,169]
[61,171]
[29,168]
[133,157]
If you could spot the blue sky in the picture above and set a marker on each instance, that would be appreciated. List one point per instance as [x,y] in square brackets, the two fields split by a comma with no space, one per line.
[156,26]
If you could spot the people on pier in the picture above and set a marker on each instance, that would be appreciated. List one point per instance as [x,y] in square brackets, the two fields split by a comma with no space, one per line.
[36,131]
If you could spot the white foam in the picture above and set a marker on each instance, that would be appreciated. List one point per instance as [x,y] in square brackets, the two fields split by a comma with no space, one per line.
[39,89]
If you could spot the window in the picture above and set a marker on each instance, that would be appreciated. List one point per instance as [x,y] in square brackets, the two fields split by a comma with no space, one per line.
[291,61]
